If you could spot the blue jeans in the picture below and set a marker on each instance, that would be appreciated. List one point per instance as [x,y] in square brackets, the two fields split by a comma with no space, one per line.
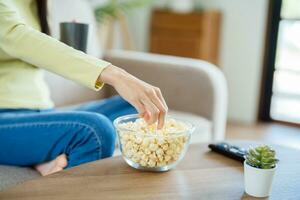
[30,137]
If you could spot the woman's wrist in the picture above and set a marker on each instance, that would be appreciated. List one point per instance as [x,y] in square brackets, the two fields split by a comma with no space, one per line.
[111,74]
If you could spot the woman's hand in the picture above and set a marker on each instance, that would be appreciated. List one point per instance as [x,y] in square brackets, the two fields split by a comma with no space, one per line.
[146,98]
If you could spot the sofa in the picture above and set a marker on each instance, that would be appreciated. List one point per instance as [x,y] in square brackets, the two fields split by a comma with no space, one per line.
[195,90]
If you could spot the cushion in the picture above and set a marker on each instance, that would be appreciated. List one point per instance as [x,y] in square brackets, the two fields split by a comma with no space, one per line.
[10,176]
[203,127]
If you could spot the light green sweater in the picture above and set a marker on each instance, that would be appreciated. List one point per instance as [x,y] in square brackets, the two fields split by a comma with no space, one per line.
[24,50]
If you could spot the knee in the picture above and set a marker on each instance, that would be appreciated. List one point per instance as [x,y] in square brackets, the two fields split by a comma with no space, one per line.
[104,131]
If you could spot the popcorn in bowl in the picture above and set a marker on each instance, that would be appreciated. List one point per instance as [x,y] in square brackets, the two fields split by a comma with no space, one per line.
[145,147]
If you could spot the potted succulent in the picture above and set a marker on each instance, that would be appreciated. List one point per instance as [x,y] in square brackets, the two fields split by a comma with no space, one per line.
[259,169]
[113,14]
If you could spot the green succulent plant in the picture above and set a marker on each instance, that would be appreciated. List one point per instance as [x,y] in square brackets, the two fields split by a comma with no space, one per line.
[115,7]
[263,157]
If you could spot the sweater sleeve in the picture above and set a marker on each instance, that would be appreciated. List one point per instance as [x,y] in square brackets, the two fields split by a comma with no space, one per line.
[21,41]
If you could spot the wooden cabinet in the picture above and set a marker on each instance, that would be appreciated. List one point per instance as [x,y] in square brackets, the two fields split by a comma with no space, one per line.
[194,35]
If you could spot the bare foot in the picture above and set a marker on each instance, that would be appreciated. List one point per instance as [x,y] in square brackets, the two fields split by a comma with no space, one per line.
[56,165]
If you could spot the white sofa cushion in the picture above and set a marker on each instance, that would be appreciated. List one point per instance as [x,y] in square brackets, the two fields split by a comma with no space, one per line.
[10,176]
[203,127]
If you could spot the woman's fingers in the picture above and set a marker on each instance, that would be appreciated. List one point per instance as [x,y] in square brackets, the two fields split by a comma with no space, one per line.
[161,107]
[161,120]
[143,112]
[140,108]
[163,113]
[152,111]
[146,116]
[156,107]
[160,96]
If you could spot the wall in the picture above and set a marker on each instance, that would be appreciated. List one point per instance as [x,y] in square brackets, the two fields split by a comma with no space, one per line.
[242,49]
[241,53]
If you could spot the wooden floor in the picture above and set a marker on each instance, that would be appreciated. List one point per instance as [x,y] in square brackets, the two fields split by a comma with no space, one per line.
[273,133]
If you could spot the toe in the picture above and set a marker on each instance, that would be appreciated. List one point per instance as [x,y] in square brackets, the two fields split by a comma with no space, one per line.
[61,161]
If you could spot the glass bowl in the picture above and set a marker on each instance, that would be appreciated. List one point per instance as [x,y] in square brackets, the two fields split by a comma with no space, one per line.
[152,152]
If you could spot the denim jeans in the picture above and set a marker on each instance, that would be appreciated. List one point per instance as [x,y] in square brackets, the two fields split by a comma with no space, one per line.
[30,137]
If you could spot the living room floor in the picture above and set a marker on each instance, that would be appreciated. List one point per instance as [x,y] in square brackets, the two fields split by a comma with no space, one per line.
[273,133]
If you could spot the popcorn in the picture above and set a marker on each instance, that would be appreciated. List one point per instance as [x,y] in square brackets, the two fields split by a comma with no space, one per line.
[153,147]
[149,147]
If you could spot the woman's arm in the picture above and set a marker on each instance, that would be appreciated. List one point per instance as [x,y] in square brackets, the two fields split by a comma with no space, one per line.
[21,41]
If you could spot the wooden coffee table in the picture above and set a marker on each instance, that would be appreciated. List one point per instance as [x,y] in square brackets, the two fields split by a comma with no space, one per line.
[201,175]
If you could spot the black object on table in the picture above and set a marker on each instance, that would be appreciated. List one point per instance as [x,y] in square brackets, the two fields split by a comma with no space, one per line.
[228,150]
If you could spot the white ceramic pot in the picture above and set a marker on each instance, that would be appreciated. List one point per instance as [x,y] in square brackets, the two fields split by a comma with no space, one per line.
[258,182]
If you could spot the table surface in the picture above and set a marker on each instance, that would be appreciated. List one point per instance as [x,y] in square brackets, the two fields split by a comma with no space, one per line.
[200,175]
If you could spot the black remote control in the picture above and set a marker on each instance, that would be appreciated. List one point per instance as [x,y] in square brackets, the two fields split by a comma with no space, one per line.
[228,150]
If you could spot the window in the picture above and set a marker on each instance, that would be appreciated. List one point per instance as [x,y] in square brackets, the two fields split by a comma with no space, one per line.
[285,98]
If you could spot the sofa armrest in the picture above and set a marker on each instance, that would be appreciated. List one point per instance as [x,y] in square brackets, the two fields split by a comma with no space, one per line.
[188,85]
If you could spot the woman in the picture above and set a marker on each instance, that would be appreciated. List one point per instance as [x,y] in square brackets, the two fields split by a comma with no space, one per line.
[32,133]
